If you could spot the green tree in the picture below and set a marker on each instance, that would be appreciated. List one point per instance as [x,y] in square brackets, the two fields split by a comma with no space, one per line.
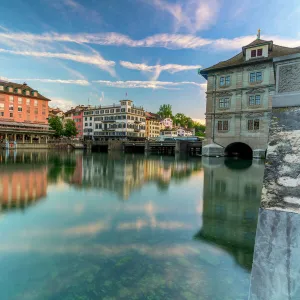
[180,119]
[189,123]
[70,128]
[165,111]
[56,124]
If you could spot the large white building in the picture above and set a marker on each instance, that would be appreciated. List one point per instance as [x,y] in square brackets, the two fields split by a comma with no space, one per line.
[239,99]
[118,121]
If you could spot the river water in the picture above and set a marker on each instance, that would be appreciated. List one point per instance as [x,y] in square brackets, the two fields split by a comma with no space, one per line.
[112,226]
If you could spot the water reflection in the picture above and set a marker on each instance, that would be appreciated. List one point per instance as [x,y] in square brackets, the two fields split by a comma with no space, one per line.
[187,226]
[231,200]
[21,184]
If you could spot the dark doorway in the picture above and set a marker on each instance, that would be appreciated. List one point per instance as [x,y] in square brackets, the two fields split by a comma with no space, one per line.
[238,150]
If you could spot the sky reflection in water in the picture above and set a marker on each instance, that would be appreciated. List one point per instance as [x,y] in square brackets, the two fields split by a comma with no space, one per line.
[99,226]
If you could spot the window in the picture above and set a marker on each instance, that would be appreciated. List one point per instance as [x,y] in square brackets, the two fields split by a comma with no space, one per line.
[91,118]
[19,108]
[1,106]
[259,52]
[255,53]
[2,114]
[223,102]
[11,107]
[122,109]
[11,115]
[101,111]
[112,111]
[27,92]
[254,100]
[1,87]
[90,124]
[35,103]
[85,119]
[253,124]
[36,111]
[27,101]
[222,125]
[28,110]
[255,76]
[225,80]
[11,99]
[20,101]
[106,111]
[258,76]
[86,124]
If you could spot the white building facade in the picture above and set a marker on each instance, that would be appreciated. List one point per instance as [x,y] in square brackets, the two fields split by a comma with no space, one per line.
[114,122]
[239,98]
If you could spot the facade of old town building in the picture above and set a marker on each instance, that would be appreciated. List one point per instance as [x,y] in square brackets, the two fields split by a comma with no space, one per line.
[23,114]
[117,121]
[239,99]
[152,125]
[76,114]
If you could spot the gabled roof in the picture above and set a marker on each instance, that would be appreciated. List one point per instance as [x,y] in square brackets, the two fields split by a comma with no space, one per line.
[239,59]
[151,115]
[23,87]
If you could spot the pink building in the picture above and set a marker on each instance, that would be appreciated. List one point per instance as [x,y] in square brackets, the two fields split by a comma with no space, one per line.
[76,114]
[23,113]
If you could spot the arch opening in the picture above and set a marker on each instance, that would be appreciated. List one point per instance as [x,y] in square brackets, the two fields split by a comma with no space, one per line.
[240,150]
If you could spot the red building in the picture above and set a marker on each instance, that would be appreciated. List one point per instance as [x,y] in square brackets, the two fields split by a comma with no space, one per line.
[23,113]
[76,114]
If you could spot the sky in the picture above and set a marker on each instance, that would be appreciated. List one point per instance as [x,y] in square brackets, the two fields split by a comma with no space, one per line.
[90,51]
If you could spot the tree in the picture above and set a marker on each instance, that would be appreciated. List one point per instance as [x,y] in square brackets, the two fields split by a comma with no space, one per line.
[165,111]
[56,124]
[70,128]
[180,119]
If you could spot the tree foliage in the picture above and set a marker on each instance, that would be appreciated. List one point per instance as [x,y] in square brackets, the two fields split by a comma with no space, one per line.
[180,119]
[165,111]
[70,129]
[56,124]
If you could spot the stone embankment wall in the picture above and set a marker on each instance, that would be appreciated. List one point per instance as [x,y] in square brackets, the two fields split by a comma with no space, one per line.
[276,265]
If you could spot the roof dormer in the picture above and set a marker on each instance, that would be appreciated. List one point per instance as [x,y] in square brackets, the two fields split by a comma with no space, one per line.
[257,49]
[34,93]
[9,88]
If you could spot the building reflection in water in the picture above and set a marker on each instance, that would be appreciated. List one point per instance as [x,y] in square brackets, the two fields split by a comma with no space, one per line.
[231,201]
[123,174]
[22,180]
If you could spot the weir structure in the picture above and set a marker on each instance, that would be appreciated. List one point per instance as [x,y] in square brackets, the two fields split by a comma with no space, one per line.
[276,265]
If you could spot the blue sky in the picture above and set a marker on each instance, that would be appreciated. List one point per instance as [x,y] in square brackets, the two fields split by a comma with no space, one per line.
[75,50]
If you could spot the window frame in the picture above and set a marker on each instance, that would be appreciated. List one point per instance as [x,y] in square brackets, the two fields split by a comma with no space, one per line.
[253,125]
[223,125]
[225,103]
[253,100]
[259,52]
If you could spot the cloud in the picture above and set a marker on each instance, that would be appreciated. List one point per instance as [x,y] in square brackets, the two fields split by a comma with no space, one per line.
[65,7]
[193,15]
[101,98]
[96,59]
[63,104]
[148,84]
[164,40]
[62,81]
[73,72]
[157,69]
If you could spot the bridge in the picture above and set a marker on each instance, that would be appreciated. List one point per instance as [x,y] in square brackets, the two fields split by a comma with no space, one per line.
[162,147]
